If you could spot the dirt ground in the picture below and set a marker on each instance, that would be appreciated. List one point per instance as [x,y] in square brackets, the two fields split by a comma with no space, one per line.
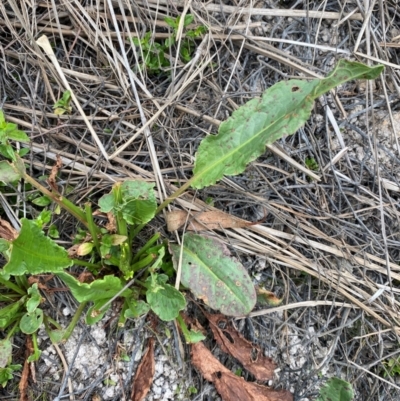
[328,239]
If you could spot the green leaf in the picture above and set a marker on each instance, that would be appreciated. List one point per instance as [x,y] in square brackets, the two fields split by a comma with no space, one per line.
[336,390]
[9,313]
[281,110]
[171,22]
[34,253]
[5,352]
[23,151]
[189,18]
[7,151]
[4,245]
[104,288]
[42,201]
[57,335]
[94,314]
[164,299]
[6,374]
[136,308]
[213,276]
[53,231]
[140,202]
[30,322]
[35,298]
[43,218]
[17,135]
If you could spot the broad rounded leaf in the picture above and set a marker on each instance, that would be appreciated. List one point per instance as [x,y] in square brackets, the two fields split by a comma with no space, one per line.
[164,299]
[281,110]
[214,276]
[140,202]
[104,288]
[5,352]
[336,390]
[30,322]
[34,253]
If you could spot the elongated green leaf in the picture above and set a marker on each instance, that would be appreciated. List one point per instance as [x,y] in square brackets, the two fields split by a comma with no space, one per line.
[34,253]
[214,276]
[104,288]
[281,110]
[34,299]
[5,352]
[336,390]
[9,313]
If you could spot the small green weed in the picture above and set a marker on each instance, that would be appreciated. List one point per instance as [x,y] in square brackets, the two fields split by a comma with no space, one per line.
[311,164]
[154,55]
[63,105]
[336,389]
[142,278]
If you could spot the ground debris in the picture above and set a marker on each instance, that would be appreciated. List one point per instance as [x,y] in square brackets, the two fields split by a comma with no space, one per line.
[228,385]
[144,374]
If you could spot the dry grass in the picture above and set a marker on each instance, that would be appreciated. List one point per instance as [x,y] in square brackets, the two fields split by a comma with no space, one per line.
[331,238]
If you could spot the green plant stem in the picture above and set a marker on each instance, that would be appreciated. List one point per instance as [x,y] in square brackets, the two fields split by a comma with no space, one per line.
[182,325]
[12,286]
[53,322]
[122,228]
[74,321]
[143,263]
[93,229]
[86,264]
[148,245]
[59,199]
[13,330]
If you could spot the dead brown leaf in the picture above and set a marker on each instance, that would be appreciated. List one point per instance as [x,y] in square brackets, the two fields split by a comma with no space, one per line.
[144,374]
[23,383]
[7,231]
[228,385]
[249,355]
[53,174]
[200,221]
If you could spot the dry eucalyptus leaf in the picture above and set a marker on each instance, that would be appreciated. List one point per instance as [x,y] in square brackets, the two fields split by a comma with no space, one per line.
[249,355]
[200,221]
[229,386]
[144,374]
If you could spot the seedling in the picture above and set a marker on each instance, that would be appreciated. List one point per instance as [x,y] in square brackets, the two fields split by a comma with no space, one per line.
[154,54]
[63,105]
[142,277]
[311,164]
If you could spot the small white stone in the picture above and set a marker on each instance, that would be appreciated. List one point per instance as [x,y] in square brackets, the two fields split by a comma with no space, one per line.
[66,311]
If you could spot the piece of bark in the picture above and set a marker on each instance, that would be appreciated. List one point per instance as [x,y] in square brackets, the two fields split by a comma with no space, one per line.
[144,374]
[207,220]
[229,386]
[233,343]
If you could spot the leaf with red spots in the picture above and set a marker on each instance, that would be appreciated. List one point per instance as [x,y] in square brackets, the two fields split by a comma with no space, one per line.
[213,275]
